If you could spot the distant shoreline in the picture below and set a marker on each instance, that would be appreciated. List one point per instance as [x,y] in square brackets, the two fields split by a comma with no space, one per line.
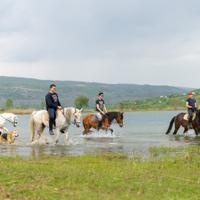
[28,111]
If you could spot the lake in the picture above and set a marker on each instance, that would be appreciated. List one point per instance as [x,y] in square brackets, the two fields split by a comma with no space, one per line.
[141,130]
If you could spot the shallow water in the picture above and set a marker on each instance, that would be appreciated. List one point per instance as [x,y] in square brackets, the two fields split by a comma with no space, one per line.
[141,130]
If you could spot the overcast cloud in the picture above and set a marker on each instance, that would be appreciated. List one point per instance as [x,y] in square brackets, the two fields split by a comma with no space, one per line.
[113,41]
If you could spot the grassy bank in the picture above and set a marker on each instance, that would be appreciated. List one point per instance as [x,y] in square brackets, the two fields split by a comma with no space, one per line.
[18,111]
[174,175]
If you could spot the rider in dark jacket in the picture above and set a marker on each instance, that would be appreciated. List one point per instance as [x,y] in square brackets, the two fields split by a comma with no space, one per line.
[52,104]
[191,105]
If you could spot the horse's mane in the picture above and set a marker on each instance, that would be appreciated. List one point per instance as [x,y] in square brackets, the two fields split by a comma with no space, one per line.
[68,113]
[111,116]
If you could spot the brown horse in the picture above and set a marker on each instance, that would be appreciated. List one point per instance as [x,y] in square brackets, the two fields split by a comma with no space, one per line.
[180,120]
[90,121]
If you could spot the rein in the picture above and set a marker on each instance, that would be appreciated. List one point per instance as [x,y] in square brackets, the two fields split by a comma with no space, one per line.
[7,119]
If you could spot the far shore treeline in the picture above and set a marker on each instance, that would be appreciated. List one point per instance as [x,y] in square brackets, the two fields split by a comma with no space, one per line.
[161,103]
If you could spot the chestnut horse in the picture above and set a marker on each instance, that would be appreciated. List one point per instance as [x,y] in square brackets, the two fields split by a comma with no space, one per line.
[90,121]
[180,120]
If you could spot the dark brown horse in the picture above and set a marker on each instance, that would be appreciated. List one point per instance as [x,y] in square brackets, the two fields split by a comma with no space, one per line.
[180,121]
[90,121]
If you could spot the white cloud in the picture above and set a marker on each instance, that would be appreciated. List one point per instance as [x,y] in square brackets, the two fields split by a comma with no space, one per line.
[132,41]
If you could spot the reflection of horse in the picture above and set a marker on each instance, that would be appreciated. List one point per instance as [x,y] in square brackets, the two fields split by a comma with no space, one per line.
[40,119]
[182,120]
[90,121]
[7,117]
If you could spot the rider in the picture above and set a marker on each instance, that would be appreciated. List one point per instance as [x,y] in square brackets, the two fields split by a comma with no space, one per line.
[191,105]
[100,108]
[52,105]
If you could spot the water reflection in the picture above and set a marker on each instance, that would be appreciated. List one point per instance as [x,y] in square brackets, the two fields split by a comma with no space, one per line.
[185,139]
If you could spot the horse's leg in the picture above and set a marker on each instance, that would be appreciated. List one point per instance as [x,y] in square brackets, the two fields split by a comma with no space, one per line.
[185,130]
[58,133]
[177,126]
[66,136]
[45,137]
[196,131]
[111,130]
[87,129]
[38,133]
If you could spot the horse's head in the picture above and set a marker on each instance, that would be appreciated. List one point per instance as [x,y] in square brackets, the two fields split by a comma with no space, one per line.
[15,120]
[73,115]
[77,117]
[120,119]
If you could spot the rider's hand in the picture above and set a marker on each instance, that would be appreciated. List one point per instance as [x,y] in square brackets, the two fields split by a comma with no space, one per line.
[59,107]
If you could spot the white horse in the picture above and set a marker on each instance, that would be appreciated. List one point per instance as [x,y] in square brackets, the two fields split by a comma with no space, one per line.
[7,117]
[40,120]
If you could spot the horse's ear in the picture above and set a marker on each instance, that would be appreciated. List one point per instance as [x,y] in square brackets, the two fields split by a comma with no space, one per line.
[81,109]
[122,113]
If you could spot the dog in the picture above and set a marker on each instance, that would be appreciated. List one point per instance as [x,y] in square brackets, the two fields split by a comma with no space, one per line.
[8,138]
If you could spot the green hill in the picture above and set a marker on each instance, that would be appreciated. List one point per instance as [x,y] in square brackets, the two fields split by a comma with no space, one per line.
[27,92]
[171,102]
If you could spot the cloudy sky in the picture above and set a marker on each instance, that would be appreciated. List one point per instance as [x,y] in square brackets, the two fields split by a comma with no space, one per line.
[112,41]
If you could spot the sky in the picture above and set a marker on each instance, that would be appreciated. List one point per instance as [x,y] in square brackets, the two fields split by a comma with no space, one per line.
[111,41]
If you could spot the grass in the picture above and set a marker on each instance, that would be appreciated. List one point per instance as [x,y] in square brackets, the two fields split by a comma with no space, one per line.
[105,176]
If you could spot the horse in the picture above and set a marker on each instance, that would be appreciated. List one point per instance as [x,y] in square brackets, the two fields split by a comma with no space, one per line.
[90,121]
[182,120]
[39,120]
[7,117]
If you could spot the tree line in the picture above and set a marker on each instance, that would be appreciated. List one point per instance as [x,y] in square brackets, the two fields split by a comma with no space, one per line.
[79,102]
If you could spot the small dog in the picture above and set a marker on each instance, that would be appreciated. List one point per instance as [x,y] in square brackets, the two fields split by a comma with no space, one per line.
[8,138]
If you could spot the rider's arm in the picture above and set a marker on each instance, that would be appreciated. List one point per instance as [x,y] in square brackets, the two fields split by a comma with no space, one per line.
[98,108]
[187,105]
[105,109]
[59,104]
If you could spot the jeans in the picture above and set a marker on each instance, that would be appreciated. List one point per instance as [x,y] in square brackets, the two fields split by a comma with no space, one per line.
[52,118]
[99,116]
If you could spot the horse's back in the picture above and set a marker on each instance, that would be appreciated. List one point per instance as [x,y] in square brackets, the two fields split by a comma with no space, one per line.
[40,116]
[88,118]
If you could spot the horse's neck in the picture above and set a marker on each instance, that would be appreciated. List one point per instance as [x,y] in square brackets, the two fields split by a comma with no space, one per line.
[7,115]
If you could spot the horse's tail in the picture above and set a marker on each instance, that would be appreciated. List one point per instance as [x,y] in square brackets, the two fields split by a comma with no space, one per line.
[32,128]
[170,125]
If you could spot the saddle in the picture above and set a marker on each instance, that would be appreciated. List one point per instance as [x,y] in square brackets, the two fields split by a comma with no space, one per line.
[95,119]
[186,116]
